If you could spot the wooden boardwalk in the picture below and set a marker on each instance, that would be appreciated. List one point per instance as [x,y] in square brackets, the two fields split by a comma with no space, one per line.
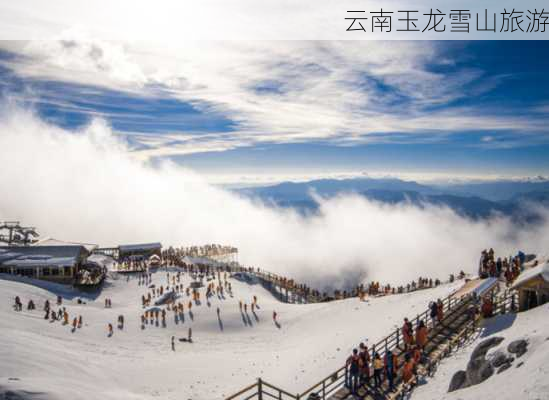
[457,327]
[439,339]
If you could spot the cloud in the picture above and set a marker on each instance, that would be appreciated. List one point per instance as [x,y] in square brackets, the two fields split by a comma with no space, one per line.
[344,93]
[83,186]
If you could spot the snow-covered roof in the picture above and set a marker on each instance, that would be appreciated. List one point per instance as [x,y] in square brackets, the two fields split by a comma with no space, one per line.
[43,262]
[137,247]
[56,242]
[540,270]
[485,286]
[31,256]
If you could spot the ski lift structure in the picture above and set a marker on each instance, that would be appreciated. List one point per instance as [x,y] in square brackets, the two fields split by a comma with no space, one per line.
[13,234]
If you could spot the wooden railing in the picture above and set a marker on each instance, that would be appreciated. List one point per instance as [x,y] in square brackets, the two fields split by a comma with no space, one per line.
[262,390]
[328,386]
[508,302]
[336,380]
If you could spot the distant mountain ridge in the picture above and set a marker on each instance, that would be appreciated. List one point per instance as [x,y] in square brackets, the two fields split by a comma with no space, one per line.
[475,200]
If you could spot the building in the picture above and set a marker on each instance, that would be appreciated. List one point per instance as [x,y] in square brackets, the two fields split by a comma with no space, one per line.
[139,251]
[57,263]
[56,242]
[533,286]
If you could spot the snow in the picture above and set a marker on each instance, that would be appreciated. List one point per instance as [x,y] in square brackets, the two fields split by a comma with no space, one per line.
[542,269]
[56,242]
[527,382]
[227,354]
[485,286]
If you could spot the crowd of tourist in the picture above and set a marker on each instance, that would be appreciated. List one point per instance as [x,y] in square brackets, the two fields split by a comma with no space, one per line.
[508,268]
[50,314]
[206,251]
[364,368]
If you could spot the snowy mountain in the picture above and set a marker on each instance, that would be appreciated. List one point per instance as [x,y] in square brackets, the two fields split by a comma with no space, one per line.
[43,360]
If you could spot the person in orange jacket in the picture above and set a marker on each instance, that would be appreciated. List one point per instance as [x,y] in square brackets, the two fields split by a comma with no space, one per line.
[416,355]
[440,310]
[421,335]
[407,333]
[408,369]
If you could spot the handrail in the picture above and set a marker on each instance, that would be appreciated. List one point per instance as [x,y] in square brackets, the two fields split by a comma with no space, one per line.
[336,379]
[260,391]
[448,346]
[246,389]
[390,340]
[281,391]
[333,381]
[509,297]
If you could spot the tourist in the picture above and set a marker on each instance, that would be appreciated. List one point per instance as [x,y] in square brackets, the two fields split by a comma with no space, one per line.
[421,335]
[407,333]
[18,305]
[378,368]
[408,369]
[433,312]
[391,368]
[353,367]
[364,355]
[440,311]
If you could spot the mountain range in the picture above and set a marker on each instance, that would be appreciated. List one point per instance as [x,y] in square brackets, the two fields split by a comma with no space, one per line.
[516,199]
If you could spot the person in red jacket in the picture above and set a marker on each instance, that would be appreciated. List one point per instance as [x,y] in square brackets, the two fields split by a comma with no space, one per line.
[408,369]
[407,333]
[421,335]
[364,355]
[440,311]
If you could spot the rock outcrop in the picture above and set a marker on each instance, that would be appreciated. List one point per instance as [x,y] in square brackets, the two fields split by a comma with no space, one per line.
[481,367]
[518,347]
[457,382]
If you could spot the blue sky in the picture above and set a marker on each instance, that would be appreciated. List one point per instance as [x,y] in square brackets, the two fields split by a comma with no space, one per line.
[272,109]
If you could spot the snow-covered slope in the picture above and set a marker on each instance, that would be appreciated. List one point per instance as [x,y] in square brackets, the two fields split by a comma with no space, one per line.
[529,381]
[313,340]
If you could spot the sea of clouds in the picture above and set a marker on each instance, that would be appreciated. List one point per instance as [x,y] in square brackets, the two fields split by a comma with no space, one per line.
[85,185]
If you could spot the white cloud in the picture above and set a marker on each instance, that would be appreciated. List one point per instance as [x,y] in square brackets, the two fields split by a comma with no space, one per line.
[278,92]
[84,186]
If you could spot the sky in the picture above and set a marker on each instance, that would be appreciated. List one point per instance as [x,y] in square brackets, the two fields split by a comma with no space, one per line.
[119,142]
[262,111]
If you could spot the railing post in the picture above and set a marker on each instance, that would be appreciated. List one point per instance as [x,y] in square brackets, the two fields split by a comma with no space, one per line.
[259,389]
[323,390]
[398,337]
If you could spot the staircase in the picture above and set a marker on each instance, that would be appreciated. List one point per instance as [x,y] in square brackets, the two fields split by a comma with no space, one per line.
[447,331]
[457,326]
